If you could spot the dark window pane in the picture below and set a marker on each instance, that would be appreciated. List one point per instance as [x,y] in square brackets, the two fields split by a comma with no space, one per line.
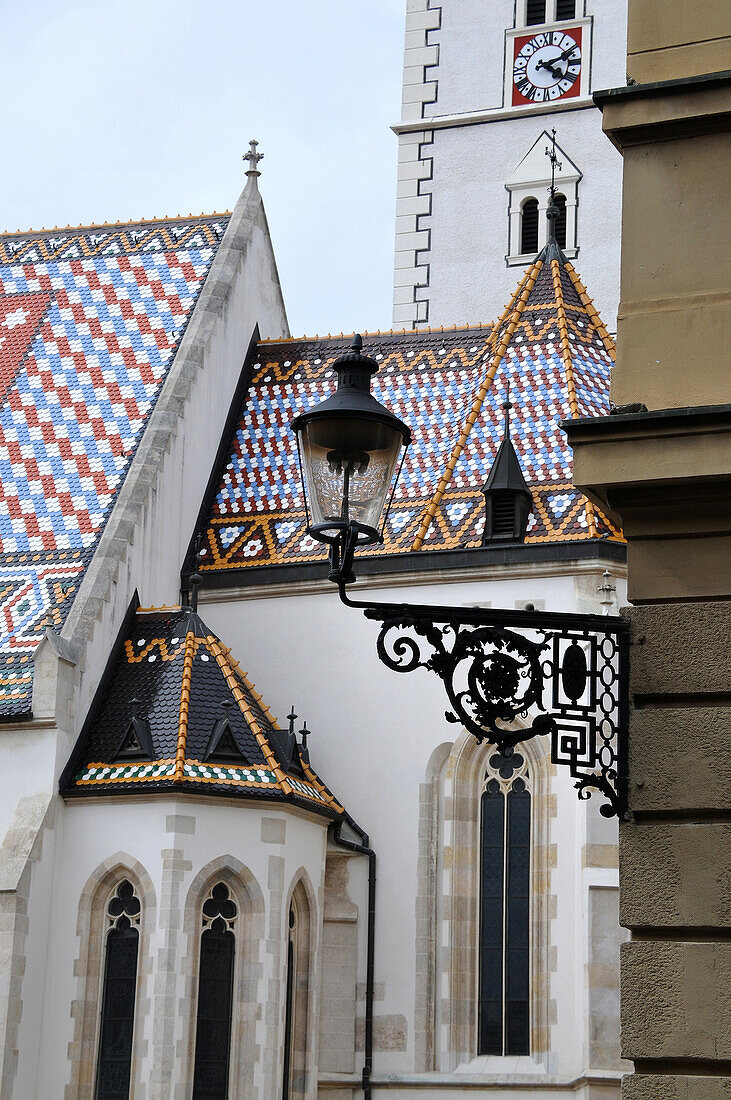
[535,12]
[529,226]
[517,979]
[560,201]
[565,9]
[118,1009]
[213,1022]
[492,862]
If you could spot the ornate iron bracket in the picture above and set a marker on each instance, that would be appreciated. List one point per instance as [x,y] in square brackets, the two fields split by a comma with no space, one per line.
[514,675]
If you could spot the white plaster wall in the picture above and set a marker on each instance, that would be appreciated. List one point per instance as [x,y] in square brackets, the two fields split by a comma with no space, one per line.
[373,732]
[452,208]
[469,280]
[89,833]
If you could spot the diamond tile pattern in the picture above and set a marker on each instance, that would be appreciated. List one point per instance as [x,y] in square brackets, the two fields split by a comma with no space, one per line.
[185,682]
[429,379]
[90,320]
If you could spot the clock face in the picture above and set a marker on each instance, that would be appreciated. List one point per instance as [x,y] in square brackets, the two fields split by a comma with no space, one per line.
[547,66]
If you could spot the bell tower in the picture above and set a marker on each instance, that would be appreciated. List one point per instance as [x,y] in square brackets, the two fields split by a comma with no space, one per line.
[484,85]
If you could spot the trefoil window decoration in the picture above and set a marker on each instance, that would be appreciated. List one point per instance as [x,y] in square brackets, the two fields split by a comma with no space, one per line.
[215,995]
[114,1062]
[505,867]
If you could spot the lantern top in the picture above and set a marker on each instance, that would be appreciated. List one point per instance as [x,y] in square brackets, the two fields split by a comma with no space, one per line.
[352,397]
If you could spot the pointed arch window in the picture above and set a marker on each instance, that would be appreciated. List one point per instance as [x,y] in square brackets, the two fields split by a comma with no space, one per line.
[121,950]
[289,1009]
[504,950]
[215,996]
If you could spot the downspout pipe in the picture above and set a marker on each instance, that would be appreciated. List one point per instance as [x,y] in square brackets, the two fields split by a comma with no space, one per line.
[364,849]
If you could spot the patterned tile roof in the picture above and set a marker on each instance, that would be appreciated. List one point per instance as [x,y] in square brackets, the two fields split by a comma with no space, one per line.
[549,344]
[90,319]
[173,686]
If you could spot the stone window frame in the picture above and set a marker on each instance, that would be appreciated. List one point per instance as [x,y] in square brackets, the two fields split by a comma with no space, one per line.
[91,928]
[518,196]
[245,1053]
[447,910]
[302,896]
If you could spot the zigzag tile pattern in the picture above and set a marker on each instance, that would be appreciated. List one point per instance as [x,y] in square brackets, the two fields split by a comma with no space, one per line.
[184,682]
[429,379]
[90,320]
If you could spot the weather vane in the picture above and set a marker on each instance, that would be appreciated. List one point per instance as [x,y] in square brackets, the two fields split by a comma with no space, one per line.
[555,162]
[253,158]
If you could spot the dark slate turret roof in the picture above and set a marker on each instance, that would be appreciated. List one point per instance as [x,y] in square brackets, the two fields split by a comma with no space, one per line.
[90,320]
[549,346]
[172,674]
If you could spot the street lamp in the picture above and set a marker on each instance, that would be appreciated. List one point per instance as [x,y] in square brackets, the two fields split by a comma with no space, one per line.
[348,448]
[509,675]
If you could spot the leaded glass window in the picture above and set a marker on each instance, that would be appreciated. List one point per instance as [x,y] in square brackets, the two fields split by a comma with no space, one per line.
[504,950]
[215,996]
[114,1062]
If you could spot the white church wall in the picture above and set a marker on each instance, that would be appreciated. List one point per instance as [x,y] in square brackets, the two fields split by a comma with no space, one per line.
[181,844]
[373,732]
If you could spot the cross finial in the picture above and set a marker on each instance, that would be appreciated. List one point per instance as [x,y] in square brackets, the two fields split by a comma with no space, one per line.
[253,158]
[507,406]
[555,162]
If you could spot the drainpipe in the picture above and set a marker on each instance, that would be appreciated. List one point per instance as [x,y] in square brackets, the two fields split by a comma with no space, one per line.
[364,849]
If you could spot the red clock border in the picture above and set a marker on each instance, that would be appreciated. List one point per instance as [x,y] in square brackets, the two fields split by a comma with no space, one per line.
[573,93]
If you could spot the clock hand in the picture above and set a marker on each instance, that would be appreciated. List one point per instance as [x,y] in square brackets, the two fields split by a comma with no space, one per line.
[566,53]
[549,65]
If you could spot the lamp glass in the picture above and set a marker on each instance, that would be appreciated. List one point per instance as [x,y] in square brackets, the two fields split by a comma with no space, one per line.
[348,465]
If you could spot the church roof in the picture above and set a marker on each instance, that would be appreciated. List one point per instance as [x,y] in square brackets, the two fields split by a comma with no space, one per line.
[549,346]
[90,320]
[175,712]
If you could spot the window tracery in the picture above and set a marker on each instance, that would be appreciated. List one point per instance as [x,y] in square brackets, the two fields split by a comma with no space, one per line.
[114,1061]
[215,995]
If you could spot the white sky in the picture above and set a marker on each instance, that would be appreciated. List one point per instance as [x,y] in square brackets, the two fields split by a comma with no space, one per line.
[144,108]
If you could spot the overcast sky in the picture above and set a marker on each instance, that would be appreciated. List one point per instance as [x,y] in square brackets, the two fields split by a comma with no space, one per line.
[144,108]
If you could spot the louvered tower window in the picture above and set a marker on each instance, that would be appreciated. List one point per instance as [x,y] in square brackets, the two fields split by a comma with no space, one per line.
[560,202]
[529,226]
[215,996]
[114,1062]
[504,951]
[565,9]
[535,12]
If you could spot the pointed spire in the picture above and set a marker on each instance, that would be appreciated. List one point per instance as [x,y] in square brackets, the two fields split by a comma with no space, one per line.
[253,158]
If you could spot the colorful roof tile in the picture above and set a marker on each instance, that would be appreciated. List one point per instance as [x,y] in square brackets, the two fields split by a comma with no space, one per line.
[90,320]
[549,345]
[175,712]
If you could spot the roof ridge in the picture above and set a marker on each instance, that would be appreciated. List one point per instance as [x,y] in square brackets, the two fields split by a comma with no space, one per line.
[462,327]
[112,225]
[588,304]
[568,364]
[513,310]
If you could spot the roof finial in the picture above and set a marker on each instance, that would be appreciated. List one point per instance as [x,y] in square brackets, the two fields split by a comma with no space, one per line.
[292,717]
[552,211]
[304,734]
[507,405]
[608,591]
[196,580]
[253,159]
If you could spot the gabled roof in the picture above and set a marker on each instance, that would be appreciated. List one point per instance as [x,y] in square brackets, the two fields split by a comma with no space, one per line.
[172,673]
[90,320]
[549,345]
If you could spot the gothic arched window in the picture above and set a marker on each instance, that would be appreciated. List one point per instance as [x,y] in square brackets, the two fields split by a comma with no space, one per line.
[215,996]
[529,227]
[114,1062]
[504,951]
[560,202]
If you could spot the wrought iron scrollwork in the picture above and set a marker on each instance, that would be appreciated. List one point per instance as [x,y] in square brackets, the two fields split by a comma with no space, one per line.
[511,676]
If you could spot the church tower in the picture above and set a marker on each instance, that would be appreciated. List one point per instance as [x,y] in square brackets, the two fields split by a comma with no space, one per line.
[484,86]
